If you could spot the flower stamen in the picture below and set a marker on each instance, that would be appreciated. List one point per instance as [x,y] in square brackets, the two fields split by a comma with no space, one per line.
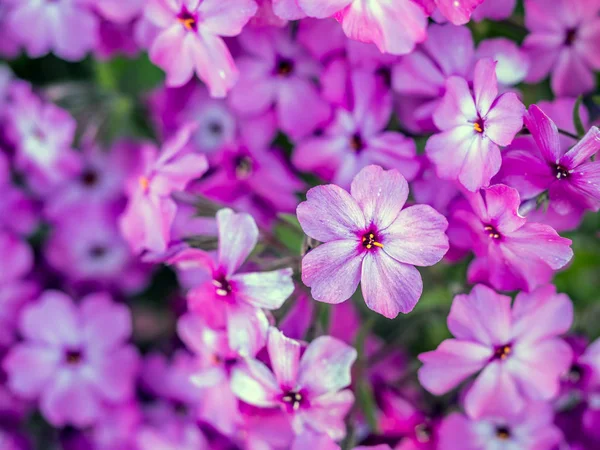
[369,240]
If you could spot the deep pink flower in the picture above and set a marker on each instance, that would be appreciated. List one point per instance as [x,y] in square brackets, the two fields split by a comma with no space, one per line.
[18,257]
[563,41]
[228,299]
[368,238]
[395,26]
[473,126]
[68,28]
[74,359]
[533,429]
[516,349]
[357,138]
[510,252]
[14,296]
[191,39]
[310,388]
[570,177]
[277,71]
[146,222]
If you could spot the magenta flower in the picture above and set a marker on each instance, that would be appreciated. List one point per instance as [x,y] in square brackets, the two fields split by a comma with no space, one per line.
[456,11]
[570,177]
[357,139]
[510,347]
[510,252]
[231,300]
[533,429]
[368,238]
[74,359]
[68,28]
[395,26]
[18,257]
[310,388]
[146,222]
[563,42]
[494,10]
[191,39]
[473,127]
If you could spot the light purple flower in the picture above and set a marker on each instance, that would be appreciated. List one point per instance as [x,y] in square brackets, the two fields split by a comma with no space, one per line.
[368,238]
[512,62]
[473,126]
[563,42]
[357,138]
[146,222]
[73,359]
[516,350]
[570,177]
[510,252]
[17,258]
[191,41]
[310,388]
[494,10]
[119,11]
[533,429]
[68,28]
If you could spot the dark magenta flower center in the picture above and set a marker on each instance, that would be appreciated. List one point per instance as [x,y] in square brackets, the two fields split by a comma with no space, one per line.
[222,286]
[492,232]
[356,143]
[575,373]
[293,399]
[285,67]
[370,240]
[188,20]
[570,37]
[503,432]
[561,172]
[502,351]
[73,357]
[244,166]
[98,251]
[215,128]
[479,125]
[386,75]
[89,177]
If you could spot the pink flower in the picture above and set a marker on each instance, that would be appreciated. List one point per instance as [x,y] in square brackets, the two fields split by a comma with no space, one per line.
[456,11]
[510,252]
[191,39]
[18,257]
[533,429]
[230,300]
[119,11]
[516,350]
[368,238]
[395,26]
[357,138]
[146,222]
[308,388]
[473,127]
[494,10]
[73,359]
[564,39]
[570,177]
[68,28]
[512,62]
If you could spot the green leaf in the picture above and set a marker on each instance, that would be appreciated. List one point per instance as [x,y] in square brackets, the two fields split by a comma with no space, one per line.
[577,117]
[289,236]
[290,219]
[366,401]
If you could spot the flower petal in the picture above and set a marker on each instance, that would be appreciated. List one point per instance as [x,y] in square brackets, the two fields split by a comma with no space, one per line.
[505,119]
[485,85]
[267,290]
[545,133]
[284,354]
[253,383]
[238,235]
[588,146]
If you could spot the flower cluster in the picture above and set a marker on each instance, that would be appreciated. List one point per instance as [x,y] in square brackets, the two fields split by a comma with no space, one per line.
[250,224]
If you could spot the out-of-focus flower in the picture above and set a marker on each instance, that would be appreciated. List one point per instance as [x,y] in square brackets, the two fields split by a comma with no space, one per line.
[456,11]
[563,41]
[473,127]
[512,62]
[119,11]
[510,346]
[510,252]
[494,10]
[74,359]
[18,257]
[310,388]
[368,238]
[191,41]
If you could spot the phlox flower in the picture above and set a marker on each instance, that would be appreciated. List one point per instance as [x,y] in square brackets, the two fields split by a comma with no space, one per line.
[146,222]
[456,11]
[14,296]
[309,387]
[512,62]
[516,350]
[395,26]
[74,358]
[18,257]
[357,138]
[571,178]
[228,299]
[472,127]
[563,41]
[494,10]
[69,28]
[510,252]
[369,238]
[190,39]
[119,11]
[532,429]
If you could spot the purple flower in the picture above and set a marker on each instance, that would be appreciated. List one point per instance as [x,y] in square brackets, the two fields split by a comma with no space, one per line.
[73,359]
[356,139]
[146,222]
[277,71]
[308,388]
[516,350]
[512,62]
[473,127]
[510,252]
[119,11]
[368,238]
[231,300]
[191,39]
[563,41]
[456,11]
[570,177]
[533,429]
[68,28]
[18,257]
[494,10]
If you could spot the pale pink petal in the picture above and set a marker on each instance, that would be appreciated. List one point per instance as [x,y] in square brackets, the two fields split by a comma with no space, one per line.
[457,107]
[53,319]
[69,400]
[327,413]
[571,75]
[253,383]
[247,328]
[505,119]
[99,314]
[545,134]
[284,354]
[321,9]
[267,290]
[457,62]
[458,11]
[171,52]
[30,368]
[213,62]
[288,9]
[238,235]
[588,146]
[485,85]
[255,92]
[226,17]
[113,373]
